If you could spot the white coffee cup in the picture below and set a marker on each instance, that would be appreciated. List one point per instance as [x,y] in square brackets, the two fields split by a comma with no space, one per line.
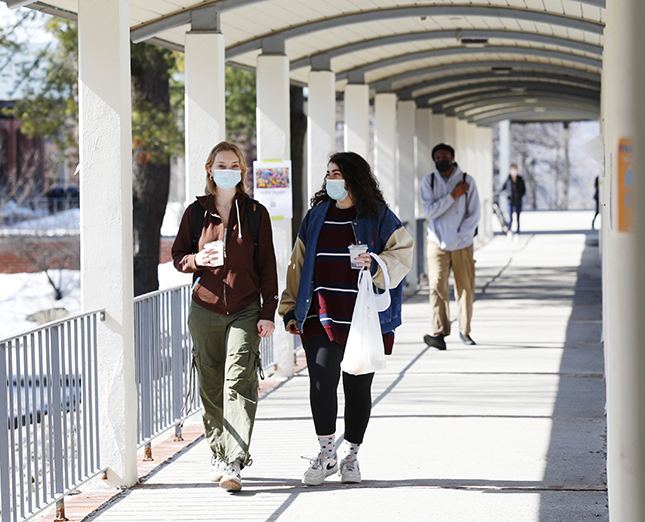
[354,252]
[216,254]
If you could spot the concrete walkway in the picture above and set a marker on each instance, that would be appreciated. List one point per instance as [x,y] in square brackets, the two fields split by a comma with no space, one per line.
[509,430]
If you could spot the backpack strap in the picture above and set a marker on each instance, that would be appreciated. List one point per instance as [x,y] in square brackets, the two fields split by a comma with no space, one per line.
[253,216]
[432,182]
[476,228]
[196,224]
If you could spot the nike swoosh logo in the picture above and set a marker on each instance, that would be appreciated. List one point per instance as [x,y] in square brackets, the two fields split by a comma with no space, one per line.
[330,466]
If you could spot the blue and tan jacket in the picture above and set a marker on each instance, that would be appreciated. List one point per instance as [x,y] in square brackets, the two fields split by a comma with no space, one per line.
[383,233]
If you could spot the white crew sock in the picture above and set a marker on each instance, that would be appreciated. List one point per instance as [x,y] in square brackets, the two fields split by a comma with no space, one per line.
[350,450]
[328,445]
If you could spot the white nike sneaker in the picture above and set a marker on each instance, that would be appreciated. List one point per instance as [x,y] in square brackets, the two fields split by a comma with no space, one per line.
[350,473]
[321,467]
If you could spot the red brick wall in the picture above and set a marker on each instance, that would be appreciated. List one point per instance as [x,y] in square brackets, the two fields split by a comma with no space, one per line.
[15,253]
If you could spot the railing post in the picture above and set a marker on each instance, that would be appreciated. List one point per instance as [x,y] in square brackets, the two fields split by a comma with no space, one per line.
[146,381]
[56,412]
[60,510]
[177,360]
[5,499]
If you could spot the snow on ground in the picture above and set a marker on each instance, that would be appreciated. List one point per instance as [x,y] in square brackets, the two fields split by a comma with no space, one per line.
[24,294]
[65,222]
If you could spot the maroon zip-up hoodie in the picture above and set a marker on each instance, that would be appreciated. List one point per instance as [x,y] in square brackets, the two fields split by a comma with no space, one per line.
[235,285]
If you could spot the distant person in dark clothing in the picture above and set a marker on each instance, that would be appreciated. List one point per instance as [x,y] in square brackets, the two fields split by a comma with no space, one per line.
[596,197]
[515,189]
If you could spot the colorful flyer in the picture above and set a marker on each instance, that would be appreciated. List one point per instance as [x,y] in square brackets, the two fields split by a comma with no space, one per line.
[272,187]
[625,185]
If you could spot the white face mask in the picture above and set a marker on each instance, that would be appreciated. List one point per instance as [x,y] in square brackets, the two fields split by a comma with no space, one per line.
[336,189]
[226,178]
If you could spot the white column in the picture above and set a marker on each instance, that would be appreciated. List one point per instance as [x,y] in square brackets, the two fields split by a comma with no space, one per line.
[437,132]
[357,119]
[504,151]
[424,144]
[424,165]
[484,161]
[105,149]
[471,150]
[450,131]
[407,179]
[462,144]
[273,134]
[205,104]
[321,127]
[624,304]
[385,146]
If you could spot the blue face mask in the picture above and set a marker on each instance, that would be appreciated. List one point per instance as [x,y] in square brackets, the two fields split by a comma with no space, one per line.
[336,189]
[226,179]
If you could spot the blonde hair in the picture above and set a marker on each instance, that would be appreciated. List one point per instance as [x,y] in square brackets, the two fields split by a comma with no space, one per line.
[211,187]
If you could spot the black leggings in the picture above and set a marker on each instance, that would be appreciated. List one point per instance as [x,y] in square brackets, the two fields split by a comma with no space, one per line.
[323,362]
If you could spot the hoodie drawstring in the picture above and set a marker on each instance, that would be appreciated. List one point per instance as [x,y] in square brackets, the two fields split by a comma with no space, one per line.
[239,223]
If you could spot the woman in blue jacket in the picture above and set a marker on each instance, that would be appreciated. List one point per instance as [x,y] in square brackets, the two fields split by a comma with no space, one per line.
[321,291]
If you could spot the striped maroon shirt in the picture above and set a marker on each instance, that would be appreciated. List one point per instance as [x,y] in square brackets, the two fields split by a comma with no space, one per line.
[335,282]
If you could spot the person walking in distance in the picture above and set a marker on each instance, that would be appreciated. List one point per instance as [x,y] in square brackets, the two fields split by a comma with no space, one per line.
[596,197]
[451,205]
[515,190]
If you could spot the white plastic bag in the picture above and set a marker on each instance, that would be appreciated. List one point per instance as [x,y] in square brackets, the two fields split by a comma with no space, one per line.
[382,300]
[364,351]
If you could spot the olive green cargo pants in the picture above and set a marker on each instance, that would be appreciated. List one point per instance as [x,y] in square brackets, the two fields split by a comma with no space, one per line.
[227,354]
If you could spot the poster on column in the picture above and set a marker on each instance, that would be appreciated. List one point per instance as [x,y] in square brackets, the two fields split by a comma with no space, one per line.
[272,187]
[625,185]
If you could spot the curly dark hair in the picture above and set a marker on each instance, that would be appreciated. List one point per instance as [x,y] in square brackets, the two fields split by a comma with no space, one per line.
[361,183]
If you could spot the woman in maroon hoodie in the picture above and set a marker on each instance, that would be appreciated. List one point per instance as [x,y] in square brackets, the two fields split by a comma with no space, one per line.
[235,295]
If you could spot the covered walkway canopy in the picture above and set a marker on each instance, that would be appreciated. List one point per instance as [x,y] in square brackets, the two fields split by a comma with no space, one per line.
[436,70]
[485,61]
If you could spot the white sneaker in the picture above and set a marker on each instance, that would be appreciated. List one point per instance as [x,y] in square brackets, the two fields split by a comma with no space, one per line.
[219,468]
[321,467]
[232,479]
[350,473]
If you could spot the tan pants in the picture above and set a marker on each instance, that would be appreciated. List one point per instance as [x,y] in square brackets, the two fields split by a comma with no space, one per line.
[463,268]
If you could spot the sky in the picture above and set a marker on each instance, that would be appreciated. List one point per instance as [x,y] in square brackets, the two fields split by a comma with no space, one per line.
[32,33]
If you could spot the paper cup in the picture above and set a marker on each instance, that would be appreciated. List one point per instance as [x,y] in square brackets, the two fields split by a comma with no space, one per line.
[217,252]
[354,251]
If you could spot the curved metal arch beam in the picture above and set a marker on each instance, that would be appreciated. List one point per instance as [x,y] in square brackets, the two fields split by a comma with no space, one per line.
[544,108]
[386,83]
[460,51]
[417,11]
[327,55]
[519,114]
[185,16]
[515,85]
[487,109]
[439,101]
[537,97]
[472,100]
[487,77]
[461,92]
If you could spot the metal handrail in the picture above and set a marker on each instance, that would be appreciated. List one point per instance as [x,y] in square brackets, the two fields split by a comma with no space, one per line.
[50,445]
[163,358]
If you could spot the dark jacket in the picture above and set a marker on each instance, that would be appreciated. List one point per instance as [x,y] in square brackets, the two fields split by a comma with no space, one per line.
[515,191]
[235,285]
